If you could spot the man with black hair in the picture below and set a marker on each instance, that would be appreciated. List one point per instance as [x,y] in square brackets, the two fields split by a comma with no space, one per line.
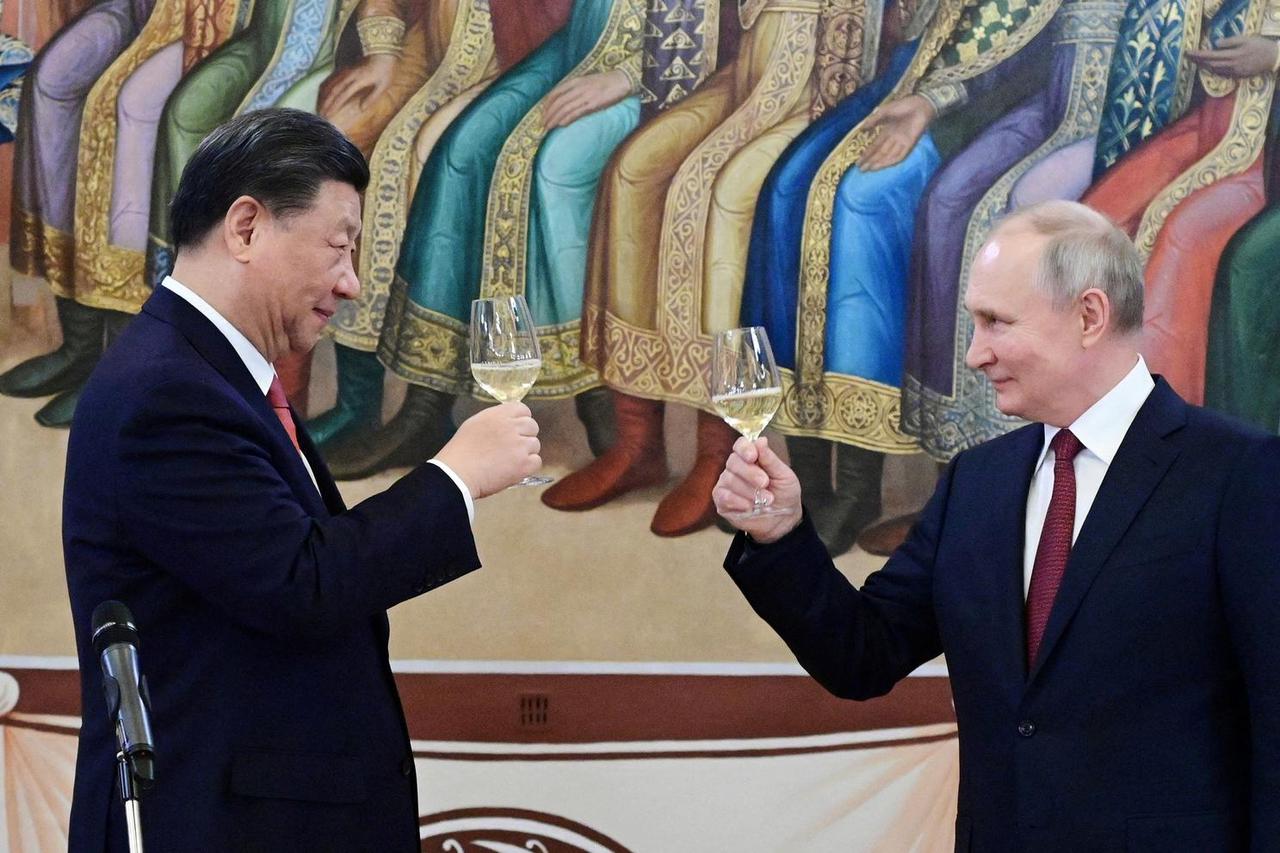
[194,496]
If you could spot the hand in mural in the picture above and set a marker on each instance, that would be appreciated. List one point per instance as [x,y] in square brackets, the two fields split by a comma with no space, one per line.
[1239,56]
[571,99]
[494,448]
[357,86]
[901,123]
[754,466]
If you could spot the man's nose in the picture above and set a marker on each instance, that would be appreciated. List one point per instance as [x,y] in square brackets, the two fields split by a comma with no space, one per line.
[979,354]
[348,286]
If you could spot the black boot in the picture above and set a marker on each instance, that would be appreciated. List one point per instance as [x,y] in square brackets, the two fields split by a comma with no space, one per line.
[69,365]
[595,410]
[414,435]
[59,411]
[856,502]
[359,405]
[811,459]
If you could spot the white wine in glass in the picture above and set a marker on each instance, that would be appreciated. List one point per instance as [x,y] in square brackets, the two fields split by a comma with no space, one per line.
[746,391]
[505,357]
[507,381]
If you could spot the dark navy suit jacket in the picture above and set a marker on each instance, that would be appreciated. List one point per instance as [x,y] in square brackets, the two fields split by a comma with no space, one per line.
[260,603]
[1151,719]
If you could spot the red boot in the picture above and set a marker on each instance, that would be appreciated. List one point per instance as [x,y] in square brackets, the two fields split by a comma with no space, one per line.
[637,459]
[688,507]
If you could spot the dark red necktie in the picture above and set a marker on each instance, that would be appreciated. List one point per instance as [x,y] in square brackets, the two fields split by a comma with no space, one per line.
[275,396]
[1055,540]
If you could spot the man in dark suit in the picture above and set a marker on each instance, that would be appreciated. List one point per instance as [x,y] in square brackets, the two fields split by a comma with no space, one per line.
[1104,582]
[194,496]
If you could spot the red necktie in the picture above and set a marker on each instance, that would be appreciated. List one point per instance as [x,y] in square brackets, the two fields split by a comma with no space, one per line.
[1055,540]
[275,396]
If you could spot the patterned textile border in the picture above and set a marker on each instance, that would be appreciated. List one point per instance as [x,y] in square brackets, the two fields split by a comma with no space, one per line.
[434,351]
[670,363]
[468,61]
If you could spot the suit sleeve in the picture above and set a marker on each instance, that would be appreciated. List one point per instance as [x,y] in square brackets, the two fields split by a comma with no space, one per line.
[1249,579]
[856,643]
[200,497]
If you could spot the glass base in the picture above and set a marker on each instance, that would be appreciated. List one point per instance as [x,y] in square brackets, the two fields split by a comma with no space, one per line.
[534,480]
[760,511]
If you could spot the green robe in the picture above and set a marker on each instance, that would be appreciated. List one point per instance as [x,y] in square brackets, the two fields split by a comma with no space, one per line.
[504,207]
[283,45]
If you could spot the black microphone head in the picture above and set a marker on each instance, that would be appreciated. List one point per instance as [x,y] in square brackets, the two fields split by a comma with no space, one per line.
[113,623]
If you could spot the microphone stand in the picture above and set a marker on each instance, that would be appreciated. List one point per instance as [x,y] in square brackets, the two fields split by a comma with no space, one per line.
[129,792]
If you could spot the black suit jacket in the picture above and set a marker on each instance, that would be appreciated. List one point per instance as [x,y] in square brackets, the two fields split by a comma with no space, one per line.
[1151,719]
[260,602]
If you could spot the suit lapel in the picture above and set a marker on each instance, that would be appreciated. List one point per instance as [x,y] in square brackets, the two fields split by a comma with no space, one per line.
[1139,466]
[212,345]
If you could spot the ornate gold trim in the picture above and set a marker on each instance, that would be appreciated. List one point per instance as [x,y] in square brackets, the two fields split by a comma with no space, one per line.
[108,276]
[467,62]
[381,34]
[710,37]
[1239,147]
[845,52]
[1234,153]
[43,251]
[433,349]
[669,361]
[1270,25]
[784,86]
[506,231]
[1195,18]
[208,24]
[847,409]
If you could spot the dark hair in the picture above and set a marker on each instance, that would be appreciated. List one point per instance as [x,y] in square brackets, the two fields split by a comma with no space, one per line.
[278,156]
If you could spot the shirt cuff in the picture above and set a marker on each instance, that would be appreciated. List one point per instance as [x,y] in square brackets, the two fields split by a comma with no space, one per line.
[462,487]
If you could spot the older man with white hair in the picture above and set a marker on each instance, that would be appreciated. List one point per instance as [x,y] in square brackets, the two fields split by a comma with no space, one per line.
[1104,581]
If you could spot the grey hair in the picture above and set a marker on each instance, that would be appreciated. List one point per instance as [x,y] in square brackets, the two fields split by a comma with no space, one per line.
[1084,250]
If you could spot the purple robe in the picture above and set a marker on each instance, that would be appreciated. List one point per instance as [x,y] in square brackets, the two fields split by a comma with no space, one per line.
[944,404]
[53,100]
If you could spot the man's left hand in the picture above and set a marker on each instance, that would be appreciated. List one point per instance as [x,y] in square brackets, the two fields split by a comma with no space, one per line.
[901,124]
[358,86]
[1238,56]
[571,99]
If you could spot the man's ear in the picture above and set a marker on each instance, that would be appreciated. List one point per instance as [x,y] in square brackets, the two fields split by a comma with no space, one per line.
[242,226]
[1095,316]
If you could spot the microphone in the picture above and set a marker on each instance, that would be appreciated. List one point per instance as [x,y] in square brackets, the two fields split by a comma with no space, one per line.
[115,642]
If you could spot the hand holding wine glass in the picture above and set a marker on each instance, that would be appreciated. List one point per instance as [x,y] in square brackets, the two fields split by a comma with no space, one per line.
[505,356]
[746,390]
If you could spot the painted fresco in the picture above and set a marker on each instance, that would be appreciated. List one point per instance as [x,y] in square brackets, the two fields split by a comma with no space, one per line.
[648,173]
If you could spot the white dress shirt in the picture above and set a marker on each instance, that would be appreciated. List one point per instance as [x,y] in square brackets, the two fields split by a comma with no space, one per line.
[263,373]
[1100,429]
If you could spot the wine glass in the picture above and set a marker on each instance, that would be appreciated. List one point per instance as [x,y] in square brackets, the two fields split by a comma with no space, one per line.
[505,357]
[746,391]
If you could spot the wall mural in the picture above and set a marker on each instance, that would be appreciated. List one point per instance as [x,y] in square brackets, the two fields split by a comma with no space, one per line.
[650,172]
